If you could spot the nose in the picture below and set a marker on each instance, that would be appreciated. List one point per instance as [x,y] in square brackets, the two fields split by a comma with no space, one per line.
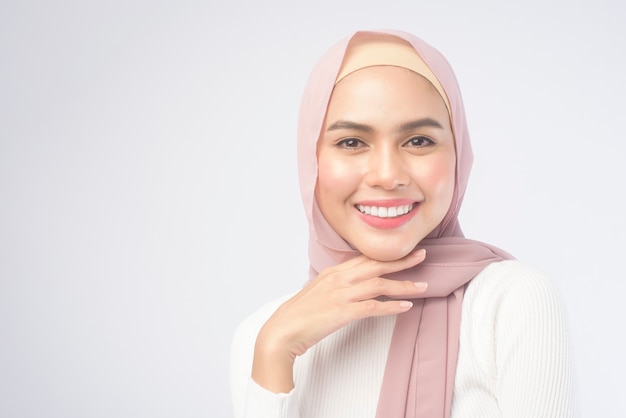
[386,169]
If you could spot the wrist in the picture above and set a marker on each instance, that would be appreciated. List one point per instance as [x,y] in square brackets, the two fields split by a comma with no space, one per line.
[272,367]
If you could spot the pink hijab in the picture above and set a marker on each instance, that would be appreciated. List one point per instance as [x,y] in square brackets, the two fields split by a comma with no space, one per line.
[421,364]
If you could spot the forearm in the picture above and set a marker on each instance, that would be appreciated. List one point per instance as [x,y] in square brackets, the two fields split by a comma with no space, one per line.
[272,367]
[249,399]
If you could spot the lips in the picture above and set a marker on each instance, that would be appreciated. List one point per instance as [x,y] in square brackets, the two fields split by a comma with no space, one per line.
[387,214]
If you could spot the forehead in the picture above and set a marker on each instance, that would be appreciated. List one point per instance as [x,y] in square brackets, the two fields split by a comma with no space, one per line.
[385,91]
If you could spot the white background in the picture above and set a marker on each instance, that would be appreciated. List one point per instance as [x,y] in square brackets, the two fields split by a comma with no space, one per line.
[148,190]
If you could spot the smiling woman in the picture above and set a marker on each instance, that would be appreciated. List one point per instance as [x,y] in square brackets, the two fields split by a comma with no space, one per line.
[396,153]
[402,316]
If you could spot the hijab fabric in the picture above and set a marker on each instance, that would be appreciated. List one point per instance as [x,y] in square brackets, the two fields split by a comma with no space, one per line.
[421,364]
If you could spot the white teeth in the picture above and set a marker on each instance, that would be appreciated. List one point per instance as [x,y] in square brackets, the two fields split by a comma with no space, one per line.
[384,212]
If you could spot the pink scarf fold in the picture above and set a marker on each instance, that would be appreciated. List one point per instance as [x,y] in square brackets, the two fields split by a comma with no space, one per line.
[421,365]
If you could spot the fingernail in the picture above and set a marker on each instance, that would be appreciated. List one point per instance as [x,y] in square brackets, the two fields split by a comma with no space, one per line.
[420,285]
[406,304]
[420,253]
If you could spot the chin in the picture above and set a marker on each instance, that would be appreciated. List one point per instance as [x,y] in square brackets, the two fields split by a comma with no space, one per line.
[386,253]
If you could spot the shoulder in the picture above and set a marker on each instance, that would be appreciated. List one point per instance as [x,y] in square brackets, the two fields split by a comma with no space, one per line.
[510,273]
[512,281]
[514,342]
[509,299]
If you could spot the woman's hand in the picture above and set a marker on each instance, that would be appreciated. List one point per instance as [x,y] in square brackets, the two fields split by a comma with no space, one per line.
[336,297]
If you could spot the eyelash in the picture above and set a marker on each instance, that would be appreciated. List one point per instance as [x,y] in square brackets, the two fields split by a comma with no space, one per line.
[352,143]
[344,143]
[421,139]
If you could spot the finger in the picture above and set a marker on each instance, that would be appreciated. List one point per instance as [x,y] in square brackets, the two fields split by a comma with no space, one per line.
[378,286]
[345,272]
[372,307]
[348,265]
[369,268]
[362,260]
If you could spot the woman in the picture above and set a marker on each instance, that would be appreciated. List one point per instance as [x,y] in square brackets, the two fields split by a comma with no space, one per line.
[402,316]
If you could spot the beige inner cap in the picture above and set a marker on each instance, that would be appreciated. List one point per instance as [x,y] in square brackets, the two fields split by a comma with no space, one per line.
[367,49]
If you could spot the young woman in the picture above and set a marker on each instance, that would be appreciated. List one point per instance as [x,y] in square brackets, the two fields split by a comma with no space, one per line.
[402,316]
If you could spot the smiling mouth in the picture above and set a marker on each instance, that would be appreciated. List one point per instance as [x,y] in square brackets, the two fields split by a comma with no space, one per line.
[386,212]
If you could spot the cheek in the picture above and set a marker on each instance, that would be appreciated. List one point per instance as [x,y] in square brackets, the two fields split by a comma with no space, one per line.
[335,179]
[438,178]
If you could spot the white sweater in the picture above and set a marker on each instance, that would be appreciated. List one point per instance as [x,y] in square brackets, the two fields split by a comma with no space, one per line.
[514,359]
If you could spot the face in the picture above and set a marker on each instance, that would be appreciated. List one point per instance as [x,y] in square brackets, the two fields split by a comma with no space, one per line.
[386,159]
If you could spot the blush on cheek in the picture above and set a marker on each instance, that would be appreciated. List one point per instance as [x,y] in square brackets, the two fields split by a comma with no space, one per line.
[336,175]
[439,180]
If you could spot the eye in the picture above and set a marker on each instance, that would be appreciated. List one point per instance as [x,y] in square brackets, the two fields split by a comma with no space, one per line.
[419,141]
[350,143]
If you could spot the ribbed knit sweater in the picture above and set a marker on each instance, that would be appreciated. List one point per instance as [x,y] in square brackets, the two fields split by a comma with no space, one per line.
[514,359]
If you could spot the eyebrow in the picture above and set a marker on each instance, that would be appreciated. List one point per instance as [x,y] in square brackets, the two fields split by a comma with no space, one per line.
[407,126]
[419,123]
[346,124]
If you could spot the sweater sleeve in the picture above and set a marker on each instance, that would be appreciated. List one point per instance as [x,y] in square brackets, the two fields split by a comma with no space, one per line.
[261,403]
[250,400]
[532,358]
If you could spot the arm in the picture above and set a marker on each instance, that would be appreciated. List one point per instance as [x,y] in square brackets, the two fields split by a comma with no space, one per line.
[265,345]
[534,374]
[248,398]
[338,296]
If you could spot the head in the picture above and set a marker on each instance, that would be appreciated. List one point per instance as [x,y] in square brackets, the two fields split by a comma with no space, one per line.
[385,153]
